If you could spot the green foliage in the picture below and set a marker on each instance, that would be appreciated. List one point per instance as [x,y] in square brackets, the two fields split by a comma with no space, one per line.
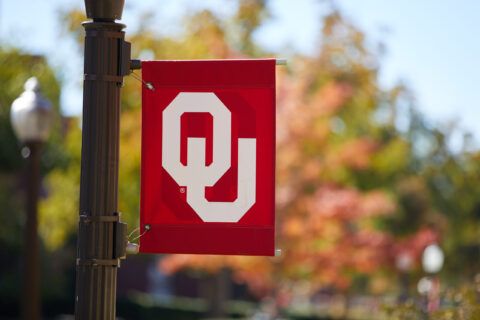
[59,212]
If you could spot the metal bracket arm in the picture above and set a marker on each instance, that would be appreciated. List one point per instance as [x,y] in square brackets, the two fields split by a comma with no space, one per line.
[135,64]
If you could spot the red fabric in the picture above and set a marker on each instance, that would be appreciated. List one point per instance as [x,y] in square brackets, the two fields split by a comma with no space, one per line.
[247,89]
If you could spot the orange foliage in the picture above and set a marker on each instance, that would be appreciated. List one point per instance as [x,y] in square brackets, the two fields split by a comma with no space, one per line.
[356,153]
[319,232]
[324,226]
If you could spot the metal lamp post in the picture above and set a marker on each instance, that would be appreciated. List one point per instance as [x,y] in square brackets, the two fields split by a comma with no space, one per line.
[101,235]
[31,118]
[432,263]
[403,262]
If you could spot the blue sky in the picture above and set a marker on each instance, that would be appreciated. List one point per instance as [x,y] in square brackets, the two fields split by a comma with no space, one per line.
[430,43]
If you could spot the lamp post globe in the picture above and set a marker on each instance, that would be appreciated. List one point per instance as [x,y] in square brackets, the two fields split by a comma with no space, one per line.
[31,114]
[432,259]
[31,118]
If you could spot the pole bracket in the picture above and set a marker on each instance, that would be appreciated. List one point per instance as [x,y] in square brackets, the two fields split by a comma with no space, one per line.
[119,237]
[135,64]
[124,59]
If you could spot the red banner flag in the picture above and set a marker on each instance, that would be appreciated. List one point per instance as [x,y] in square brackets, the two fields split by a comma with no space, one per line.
[208,157]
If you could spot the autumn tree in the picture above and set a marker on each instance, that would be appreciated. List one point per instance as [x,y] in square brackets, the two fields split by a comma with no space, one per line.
[340,160]
[355,190]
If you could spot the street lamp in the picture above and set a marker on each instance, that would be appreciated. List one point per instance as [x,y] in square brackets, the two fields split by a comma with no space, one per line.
[404,263]
[432,262]
[31,118]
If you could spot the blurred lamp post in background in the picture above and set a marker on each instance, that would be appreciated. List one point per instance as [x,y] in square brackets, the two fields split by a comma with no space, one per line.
[432,262]
[404,263]
[31,121]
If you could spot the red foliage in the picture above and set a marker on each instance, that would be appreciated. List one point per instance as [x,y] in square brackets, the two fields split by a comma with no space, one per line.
[325,229]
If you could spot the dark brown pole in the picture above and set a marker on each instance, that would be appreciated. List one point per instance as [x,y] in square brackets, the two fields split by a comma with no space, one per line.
[31,273]
[101,236]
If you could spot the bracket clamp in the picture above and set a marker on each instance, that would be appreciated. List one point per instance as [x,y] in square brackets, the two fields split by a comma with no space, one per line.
[119,238]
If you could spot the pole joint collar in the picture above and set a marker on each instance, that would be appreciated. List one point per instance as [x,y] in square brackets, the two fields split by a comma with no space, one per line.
[96,219]
[98,262]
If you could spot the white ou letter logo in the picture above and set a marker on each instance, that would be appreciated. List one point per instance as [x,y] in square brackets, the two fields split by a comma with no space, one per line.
[196,175]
